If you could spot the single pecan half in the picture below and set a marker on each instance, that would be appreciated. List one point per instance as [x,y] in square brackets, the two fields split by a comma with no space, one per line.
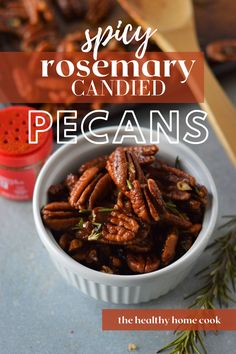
[169,249]
[124,164]
[60,216]
[90,188]
[147,200]
[99,162]
[142,263]
[222,50]
[120,227]
[142,246]
[178,174]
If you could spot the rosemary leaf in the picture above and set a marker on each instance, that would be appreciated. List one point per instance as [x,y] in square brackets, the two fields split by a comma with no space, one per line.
[94,236]
[85,211]
[129,184]
[105,210]
[177,163]
[79,225]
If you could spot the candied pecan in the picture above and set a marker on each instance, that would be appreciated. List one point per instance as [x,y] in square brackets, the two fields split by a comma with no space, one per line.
[174,194]
[72,8]
[92,256]
[86,254]
[71,180]
[222,50]
[177,221]
[123,203]
[106,269]
[195,229]
[102,187]
[33,34]
[57,192]
[82,200]
[142,263]
[64,241]
[142,246]
[145,154]
[75,245]
[90,189]
[31,8]
[59,216]
[138,201]
[147,201]
[160,165]
[202,194]
[120,227]
[127,174]
[169,250]
[99,162]
[194,205]
[117,166]
[98,10]
[124,164]
[115,262]
[81,184]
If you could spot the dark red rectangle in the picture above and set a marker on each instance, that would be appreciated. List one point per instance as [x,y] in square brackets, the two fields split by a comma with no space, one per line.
[113,78]
[176,319]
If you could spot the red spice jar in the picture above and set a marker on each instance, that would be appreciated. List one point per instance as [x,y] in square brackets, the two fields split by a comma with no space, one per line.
[20,162]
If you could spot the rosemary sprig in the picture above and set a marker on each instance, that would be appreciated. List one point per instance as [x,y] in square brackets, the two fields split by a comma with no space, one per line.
[94,236]
[85,212]
[96,233]
[218,288]
[79,225]
[129,184]
[186,342]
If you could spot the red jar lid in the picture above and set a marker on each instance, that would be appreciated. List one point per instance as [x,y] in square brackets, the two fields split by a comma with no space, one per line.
[15,151]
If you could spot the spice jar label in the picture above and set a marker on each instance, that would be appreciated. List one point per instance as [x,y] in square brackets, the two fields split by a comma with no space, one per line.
[17,185]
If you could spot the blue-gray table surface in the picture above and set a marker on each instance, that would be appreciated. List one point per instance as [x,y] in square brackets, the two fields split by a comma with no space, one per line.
[41,314]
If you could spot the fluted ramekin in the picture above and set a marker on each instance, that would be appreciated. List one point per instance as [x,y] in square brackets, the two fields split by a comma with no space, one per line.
[121,289]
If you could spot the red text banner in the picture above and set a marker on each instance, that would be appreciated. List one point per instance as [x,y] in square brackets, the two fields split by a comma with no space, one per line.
[169,319]
[112,78]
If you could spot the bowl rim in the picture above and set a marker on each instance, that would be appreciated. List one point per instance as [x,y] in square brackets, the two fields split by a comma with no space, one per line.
[95,275]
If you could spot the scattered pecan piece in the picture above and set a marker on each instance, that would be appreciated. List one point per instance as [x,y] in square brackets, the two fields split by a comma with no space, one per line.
[222,50]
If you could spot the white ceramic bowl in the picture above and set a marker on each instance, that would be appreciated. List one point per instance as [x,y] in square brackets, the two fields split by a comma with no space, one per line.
[130,289]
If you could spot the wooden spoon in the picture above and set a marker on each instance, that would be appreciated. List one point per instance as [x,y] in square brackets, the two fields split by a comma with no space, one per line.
[176,33]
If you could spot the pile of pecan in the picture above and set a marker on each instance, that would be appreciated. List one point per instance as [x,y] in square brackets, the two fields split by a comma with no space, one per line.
[126,213]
